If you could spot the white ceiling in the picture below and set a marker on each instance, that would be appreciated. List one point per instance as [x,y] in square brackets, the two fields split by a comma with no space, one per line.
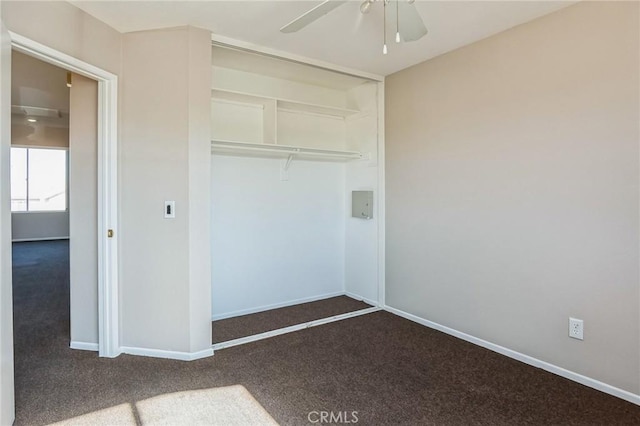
[343,37]
[41,85]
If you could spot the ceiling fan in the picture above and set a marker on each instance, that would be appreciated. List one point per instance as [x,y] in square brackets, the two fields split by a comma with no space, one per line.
[409,24]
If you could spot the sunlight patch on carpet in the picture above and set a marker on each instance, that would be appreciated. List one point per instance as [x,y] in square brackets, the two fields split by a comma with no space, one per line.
[232,405]
[119,415]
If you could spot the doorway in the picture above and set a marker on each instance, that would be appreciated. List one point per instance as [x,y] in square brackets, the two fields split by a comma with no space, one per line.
[106,220]
[40,212]
[53,206]
[107,236]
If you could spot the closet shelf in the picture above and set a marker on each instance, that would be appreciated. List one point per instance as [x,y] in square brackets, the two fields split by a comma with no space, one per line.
[241,98]
[315,109]
[281,151]
[285,104]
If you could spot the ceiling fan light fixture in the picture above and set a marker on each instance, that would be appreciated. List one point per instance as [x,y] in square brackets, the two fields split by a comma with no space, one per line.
[397,22]
[365,7]
[413,27]
[384,27]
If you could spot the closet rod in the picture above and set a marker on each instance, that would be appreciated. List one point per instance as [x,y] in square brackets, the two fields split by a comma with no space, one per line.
[280,149]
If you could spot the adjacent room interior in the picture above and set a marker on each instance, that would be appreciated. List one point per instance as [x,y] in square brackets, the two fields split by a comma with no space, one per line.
[376,212]
[39,150]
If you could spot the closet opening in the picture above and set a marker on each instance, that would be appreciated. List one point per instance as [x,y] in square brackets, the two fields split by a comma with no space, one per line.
[293,145]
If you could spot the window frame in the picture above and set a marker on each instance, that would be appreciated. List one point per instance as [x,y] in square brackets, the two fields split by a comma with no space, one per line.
[66,178]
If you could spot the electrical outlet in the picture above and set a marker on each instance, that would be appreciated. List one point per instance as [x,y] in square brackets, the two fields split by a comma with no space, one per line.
[576,328]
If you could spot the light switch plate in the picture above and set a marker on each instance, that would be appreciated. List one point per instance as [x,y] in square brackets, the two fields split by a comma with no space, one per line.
[169,209]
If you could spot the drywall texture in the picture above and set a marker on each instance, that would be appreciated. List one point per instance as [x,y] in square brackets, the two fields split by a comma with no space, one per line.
[29,226]
[361,235]
[512,189]
[275,242]
[7,412]
[199,164]
[64,27]
[165,292]
[38,134]
[83,210]
[38,84]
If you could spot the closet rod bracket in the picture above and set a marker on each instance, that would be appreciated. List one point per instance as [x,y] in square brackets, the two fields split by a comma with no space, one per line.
[287,163]
[284,171]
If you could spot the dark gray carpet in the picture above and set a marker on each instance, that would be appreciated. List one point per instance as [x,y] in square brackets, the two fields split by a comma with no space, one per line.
[247,325]
[391,371]
[40,300]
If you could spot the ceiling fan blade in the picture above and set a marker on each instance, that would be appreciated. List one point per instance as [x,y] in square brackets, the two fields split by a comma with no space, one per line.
[310,16]
[412,27]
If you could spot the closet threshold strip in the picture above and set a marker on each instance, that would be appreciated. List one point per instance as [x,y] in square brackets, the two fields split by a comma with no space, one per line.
[291,329]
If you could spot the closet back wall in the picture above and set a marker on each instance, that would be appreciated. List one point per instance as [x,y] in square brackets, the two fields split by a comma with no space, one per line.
[290,233]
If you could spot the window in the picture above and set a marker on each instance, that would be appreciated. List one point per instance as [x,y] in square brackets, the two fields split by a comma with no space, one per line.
[38,180]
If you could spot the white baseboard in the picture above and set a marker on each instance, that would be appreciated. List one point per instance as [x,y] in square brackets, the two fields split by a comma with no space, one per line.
[159,353]
[26,240]
[84,346]
[241,312]
[291,329]
[363,299]
[567,374]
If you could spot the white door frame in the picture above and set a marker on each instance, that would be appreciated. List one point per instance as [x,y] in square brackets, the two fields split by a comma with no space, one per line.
[108,311]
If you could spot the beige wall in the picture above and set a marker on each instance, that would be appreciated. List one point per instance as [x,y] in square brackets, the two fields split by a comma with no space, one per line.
[38,84]
[30,226]
[199,145]
[165,139]
[512,190]
[83,210]
[38,135]
[64,27]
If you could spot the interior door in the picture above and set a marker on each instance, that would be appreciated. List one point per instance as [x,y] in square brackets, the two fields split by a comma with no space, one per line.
[7,411]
